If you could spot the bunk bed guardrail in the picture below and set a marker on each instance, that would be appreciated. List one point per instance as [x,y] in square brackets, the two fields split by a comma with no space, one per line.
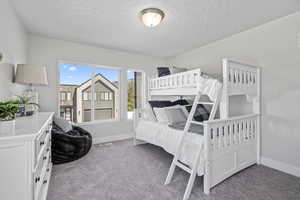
[240,78]
[230,146]
[179,80]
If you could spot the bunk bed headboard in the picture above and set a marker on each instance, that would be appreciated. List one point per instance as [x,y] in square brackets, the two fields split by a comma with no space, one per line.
[240,79]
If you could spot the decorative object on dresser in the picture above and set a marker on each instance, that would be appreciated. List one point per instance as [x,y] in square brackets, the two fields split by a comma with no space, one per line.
[26,107]
[25,154]
[8,112]
[31,75]
[69,142]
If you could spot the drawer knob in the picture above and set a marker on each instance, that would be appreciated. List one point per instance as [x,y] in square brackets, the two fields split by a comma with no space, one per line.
[48,170]
[48,149]
[37,179]
[45,181]
[45,157]
[47,131]
[42,143]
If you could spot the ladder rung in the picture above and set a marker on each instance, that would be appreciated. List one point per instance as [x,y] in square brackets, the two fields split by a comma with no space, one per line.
[208,103]
[195,122]
[182,166]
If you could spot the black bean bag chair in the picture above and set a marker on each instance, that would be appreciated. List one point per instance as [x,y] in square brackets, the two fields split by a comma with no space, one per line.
[71,145]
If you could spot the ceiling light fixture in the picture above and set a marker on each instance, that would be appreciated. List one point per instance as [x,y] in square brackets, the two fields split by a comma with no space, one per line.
[151,17]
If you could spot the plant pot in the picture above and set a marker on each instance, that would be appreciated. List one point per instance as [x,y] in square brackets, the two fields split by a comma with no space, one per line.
[7,126]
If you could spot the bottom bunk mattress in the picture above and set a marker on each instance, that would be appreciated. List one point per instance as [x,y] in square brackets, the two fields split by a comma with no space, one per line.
[169,138]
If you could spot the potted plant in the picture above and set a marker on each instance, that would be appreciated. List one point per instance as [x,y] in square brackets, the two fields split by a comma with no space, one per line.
[8,112]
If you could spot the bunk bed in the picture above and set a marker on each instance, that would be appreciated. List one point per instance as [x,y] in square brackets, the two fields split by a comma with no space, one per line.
[215,148]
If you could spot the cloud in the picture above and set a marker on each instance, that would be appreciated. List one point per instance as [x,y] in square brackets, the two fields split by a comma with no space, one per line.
[72,68]
[70,77]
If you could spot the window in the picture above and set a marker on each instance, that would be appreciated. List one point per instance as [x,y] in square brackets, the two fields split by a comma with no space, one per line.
[89,92]
[62,96]
[102,96]
[86,96]
[106,96]
[69,96]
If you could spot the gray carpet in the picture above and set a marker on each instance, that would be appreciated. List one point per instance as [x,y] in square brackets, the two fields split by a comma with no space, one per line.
[121,171]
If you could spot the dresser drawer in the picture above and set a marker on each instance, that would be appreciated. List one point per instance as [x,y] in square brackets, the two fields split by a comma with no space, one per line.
[42,141]
[41,171]
[45,184]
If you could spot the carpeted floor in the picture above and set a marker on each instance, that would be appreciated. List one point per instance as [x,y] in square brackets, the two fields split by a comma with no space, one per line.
[121,171]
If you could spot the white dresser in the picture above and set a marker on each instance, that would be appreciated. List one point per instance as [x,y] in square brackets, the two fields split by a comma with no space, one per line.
[25,158]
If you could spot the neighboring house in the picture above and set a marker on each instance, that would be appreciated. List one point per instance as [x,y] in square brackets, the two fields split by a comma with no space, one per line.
[105,100]
[67,101]
[76,100]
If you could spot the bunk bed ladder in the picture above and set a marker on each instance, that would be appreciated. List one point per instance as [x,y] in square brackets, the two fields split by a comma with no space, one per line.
[191,170]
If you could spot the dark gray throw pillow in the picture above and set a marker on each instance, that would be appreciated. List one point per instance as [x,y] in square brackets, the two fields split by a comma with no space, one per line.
[181,102]
[201,114]
[160,104]
[163,71]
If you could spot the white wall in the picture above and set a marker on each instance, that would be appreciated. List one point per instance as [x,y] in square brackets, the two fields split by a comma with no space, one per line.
[47,51]
[13,46]
[275,47]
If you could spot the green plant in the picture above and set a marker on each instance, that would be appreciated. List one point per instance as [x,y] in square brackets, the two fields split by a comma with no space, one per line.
[8,110]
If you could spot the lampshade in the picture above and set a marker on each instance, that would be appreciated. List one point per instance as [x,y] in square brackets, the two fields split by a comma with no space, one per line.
[151,17]
[31,74]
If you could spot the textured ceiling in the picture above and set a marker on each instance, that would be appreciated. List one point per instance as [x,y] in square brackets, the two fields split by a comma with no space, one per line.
[115,24]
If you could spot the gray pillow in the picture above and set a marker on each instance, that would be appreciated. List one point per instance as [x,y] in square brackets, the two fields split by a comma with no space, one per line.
[175,115]
[63,124]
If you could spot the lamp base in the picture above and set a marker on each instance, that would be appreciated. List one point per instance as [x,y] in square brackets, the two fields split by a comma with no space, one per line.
[32,94]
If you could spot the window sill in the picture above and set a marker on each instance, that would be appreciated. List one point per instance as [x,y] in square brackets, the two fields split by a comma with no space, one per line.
[97,122]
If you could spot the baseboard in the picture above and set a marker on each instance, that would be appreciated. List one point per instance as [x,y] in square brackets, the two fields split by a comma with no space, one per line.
[98,140]
[287,168]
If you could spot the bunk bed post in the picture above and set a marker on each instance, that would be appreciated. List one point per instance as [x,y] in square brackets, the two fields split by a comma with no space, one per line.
[257,110]
[137,114]
[224,105]
[206,177]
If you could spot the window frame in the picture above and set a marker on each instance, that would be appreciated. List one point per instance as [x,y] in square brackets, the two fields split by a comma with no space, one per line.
[93,68]
[144,92]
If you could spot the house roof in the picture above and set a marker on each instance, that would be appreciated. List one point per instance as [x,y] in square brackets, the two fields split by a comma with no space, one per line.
[99,76]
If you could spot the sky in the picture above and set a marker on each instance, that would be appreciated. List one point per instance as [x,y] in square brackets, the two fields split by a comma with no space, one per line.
[76,75]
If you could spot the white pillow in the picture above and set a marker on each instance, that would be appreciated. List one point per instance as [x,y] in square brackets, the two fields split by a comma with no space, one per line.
[176,114]
[63,124]
[148,113]
[161,115]
[175,70]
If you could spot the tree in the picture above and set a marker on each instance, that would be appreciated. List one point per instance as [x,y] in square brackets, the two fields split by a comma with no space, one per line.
[131,96]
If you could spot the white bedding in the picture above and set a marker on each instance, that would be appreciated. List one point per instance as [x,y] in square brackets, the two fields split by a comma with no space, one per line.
[210,87]
[168,138]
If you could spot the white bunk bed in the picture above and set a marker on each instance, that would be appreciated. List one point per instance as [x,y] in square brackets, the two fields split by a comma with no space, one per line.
[228,144]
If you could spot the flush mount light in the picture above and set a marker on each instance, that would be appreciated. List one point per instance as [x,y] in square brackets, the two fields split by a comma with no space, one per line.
[151,17]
